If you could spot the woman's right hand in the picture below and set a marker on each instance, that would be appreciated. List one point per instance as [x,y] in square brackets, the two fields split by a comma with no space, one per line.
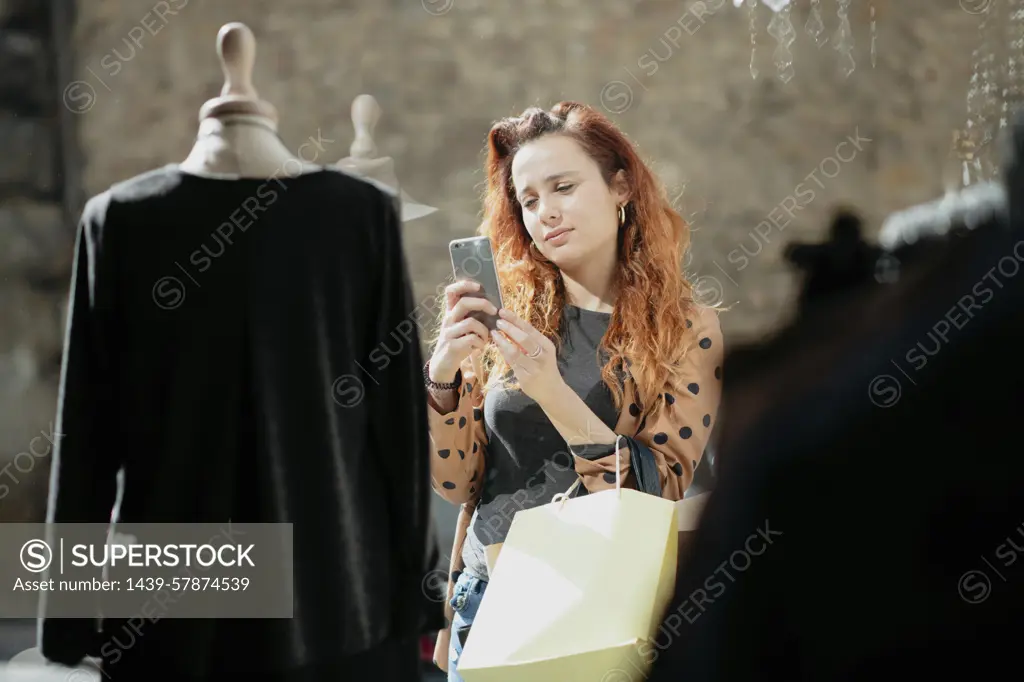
[460,335]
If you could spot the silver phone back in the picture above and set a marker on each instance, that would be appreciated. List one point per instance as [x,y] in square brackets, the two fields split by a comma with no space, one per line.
[473,259]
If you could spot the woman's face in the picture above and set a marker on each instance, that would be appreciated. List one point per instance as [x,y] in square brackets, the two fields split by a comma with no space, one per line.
[568,209]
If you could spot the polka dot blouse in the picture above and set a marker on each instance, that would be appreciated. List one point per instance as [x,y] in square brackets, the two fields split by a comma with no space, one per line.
[677,436]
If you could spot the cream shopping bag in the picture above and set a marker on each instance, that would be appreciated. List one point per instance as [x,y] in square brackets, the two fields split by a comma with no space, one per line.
[581,585]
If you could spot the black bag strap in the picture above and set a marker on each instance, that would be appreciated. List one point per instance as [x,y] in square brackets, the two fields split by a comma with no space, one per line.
[641,462]
[644,467]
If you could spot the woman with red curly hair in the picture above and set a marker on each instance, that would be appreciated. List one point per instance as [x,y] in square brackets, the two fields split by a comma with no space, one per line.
[600,339]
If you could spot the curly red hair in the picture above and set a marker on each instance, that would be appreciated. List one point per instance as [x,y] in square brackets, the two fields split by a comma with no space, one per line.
[648,332]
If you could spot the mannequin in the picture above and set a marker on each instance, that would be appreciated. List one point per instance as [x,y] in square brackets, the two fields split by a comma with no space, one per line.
[362,161]
[244,247]
[238,130]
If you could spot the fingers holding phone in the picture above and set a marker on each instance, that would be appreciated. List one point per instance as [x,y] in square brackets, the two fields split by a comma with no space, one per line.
[472,304]
[473,259]
[456,290]
[463,315]
[461,332]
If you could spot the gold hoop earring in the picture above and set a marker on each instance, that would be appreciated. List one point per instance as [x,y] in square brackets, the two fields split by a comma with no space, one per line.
[622,215]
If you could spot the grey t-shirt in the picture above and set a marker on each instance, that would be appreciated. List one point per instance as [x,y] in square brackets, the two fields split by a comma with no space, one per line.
[528,460]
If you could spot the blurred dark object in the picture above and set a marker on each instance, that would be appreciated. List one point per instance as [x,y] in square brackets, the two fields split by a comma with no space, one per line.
[842,269]
[835,266]
[868,518]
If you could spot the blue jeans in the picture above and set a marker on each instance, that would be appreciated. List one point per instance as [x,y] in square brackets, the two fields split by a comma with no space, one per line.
[466,597]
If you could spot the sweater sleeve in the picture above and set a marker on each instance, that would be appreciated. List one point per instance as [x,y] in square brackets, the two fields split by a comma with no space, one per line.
[678,436]
[83,472]
[398,425]
[457,441]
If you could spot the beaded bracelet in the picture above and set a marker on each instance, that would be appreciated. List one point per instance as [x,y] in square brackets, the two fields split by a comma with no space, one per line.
[439,386]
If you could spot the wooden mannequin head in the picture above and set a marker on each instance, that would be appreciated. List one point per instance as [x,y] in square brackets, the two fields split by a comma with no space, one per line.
[365,115]
[238,130]
[236,49]
[363,161]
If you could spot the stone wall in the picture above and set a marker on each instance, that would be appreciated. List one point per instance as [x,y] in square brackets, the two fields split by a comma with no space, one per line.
[754,163]
[444,69]
[35,245]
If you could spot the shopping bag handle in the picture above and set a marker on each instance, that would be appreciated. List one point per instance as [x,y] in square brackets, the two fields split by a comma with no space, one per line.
[562,497]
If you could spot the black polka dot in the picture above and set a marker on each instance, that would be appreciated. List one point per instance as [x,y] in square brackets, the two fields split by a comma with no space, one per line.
[449,421]
[455,576]
[718,373]
[661,438]
[634,409]
[609,477]
[705,343]
[689,324]
[473,477]
[685,432]
[462,455]
[462,422]
[678,468]
[448,485]
[443,454]
[477,414]
[669,398]
[707,420]
[693,388]
[474,448]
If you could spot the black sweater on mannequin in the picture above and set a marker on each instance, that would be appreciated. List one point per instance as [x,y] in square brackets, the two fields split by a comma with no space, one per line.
[220,349]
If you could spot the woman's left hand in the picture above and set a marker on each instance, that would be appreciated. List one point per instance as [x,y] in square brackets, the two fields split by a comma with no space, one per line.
[530,354]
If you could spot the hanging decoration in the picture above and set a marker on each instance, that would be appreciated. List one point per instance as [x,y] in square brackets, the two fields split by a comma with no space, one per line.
[1013,90]
[781,28]
[844,39]
[874,34]
[995,94]
[815,27]
[752,17]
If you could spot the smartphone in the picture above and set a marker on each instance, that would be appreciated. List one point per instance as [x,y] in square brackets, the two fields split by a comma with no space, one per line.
[472,258]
